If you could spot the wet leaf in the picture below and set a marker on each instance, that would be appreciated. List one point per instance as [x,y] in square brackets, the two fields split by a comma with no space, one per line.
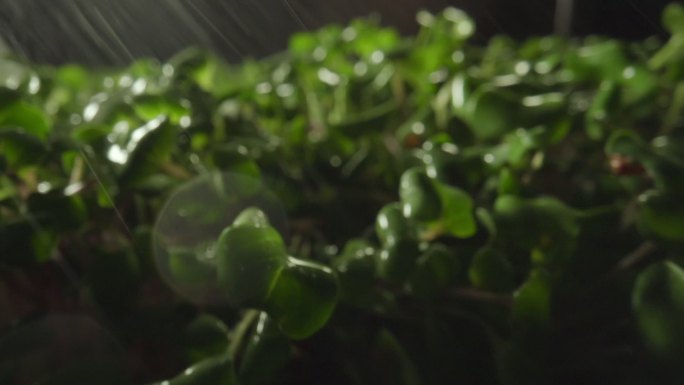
[303,298]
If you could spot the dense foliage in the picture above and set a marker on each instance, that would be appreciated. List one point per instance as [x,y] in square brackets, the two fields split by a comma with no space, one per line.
[363,209]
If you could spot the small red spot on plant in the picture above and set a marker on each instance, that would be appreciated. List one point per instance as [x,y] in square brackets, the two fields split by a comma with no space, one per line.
[412,141]
[624,165]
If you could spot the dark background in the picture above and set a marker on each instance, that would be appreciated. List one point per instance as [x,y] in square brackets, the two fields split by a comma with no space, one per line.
[114,32]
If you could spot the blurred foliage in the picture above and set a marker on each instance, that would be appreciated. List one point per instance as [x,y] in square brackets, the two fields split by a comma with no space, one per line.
[499,214]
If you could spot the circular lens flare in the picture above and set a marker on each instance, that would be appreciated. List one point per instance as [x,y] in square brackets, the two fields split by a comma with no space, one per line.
[191,221]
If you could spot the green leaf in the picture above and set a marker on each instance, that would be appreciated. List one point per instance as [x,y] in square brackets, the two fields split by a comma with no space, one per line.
[544,226]
[419,196]
[662,215]
[639,84]
[364,122]
[658,301]
[251,216]
[149,107]
[492,112]
[392,226]
[673,18]
[603,104]
[437,269]
[57,211]
[266,354]
[205,337]
[355,268]
[149,147]
[228,158]
[250,259]
[389,363]
[303,298]
[397,261]
[303,43]
[28,118]
[188,270]
[532,304]
[213,371]
[8,96]
[598,61]
[508,184]
[626,142]
[21,148]
[490,270]
[457,212]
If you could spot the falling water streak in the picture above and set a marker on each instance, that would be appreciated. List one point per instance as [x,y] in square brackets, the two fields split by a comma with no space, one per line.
[236,18]
[563,17]
[109,198]
[89,26]
[263,11]
[294,14]
[213,26]
[182,13]
[114,34]
[64,20]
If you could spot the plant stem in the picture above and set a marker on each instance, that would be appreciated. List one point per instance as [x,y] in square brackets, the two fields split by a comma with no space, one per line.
[472,294]
[237,338]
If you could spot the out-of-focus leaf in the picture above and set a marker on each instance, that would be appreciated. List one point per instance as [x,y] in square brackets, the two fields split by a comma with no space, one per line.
[355,268]
[598,61]
[20,148]
[662,215]
[57,211]
[457,212]
[658,301]
[419,196]
[532,306]
[149,107]
[389,363]
[490,270]
[27,117]
[213,371]
[266,354]
[149,147]
[391,226]
[543,226]
[205,337]
[436,269]
[492,112]
[397,260]
[24,243]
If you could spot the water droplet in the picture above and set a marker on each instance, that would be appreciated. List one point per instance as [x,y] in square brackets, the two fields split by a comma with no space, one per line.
[328,77]
[335,161]
[629,72]
[285,90]
[91,111]
[522,68]
[377,57]
[264,88]
[44,187]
